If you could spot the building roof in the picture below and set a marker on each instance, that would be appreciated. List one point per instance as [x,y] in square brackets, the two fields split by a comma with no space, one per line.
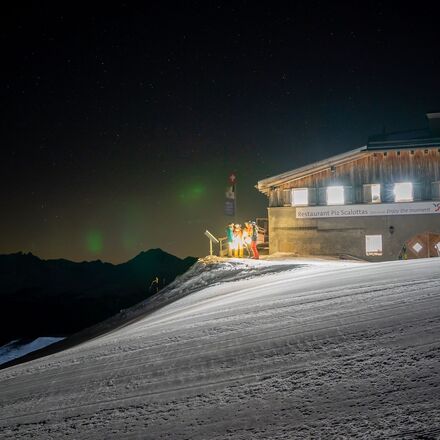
[265,185]
[377,145]
[401,144]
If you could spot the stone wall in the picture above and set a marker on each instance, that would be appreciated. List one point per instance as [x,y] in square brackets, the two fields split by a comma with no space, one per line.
[335,236]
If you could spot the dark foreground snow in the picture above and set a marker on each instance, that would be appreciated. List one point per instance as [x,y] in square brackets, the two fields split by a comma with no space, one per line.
[280,350]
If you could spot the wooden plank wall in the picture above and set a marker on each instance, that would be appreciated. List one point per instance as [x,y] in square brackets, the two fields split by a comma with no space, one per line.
[420,166]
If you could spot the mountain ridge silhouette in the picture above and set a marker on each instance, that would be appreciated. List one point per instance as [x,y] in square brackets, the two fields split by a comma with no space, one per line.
[60,297]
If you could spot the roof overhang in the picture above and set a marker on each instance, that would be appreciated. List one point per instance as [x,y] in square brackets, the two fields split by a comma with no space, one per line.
[404,144]
[266,184]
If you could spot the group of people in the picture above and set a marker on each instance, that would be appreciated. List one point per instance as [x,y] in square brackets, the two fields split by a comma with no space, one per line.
[242,237]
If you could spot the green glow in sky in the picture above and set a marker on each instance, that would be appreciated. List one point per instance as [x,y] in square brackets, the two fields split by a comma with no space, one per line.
[94,241]
[192,192]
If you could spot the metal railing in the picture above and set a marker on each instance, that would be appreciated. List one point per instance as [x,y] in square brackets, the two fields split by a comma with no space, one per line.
[223,247]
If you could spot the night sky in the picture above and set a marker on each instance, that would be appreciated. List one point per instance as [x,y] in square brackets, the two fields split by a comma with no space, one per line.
[121,125]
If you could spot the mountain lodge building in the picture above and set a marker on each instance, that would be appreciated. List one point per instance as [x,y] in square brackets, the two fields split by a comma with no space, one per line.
[378,202]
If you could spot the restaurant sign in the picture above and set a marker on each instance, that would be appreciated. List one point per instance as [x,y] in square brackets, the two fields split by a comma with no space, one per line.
[368,210]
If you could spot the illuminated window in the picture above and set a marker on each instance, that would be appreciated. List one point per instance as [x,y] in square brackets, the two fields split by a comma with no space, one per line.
[403,192]
[417,247]
[373,245]
[437,248]
[375,193]
[371,193]
[335,195]
[300,196]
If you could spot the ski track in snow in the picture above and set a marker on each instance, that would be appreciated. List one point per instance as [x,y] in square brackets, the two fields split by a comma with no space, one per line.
[251,350]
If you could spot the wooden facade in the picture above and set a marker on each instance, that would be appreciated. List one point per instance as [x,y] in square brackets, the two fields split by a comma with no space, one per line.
[421,166]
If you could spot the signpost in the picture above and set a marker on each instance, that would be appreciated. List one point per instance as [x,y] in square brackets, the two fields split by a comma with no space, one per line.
[231,196]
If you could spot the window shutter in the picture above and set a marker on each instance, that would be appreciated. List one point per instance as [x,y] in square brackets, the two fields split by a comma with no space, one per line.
[366,197]
[435,190]
[279,197]
[322,196]
[417,191]
[388,193]
[287,197]
[312,196]
[348,195]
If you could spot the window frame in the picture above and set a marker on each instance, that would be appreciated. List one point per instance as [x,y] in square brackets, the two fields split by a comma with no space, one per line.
[403,200]
[327,195]
[367,193]
[373,253]
[307,194]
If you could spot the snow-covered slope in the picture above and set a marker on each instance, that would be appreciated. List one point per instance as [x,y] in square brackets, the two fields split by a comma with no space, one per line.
[250,350]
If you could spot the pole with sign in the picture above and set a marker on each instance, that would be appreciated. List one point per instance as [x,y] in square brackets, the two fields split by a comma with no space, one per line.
[231,196]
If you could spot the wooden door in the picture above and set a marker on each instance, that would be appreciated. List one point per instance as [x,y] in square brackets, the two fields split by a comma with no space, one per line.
[426,245]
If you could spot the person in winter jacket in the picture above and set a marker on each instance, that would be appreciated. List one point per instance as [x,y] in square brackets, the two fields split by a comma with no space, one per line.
[254,238]
[230,238]
[238,241]
[247,234]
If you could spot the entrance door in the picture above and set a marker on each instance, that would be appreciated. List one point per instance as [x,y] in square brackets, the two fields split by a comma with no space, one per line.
[424,245]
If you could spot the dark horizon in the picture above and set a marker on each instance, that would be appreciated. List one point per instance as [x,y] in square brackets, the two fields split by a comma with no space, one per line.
[122,125]
[96,260]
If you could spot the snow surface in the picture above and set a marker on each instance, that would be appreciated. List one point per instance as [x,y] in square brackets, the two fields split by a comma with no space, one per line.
[250,350]
[17,348]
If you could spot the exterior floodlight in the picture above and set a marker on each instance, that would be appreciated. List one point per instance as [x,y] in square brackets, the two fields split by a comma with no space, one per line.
[335,195]
[403,192]
[375,193]
[300,197]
